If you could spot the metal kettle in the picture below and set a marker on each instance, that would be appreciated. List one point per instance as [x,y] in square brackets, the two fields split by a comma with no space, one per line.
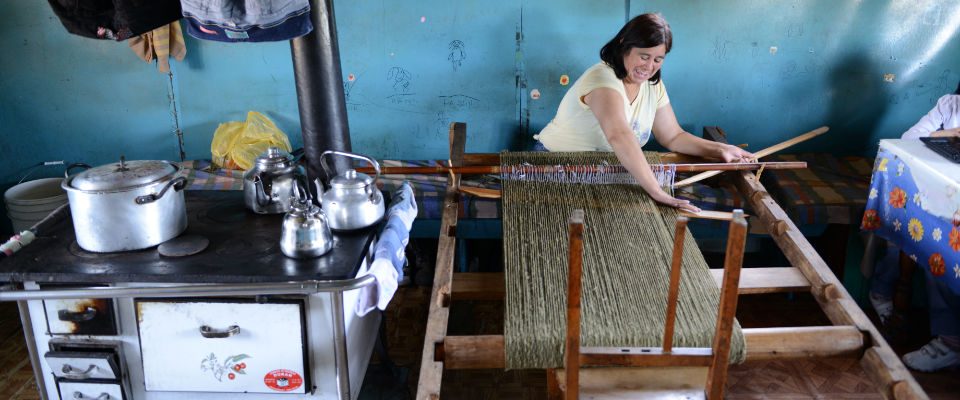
[305,232]
[353,201]
[268,186]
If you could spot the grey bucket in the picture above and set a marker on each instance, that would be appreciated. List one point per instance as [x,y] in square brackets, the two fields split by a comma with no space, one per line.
[30,201]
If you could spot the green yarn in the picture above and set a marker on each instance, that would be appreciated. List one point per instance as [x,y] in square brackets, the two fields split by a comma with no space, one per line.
[628,246]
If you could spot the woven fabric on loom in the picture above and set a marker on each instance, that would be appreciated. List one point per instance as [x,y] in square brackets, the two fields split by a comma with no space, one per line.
[628,246]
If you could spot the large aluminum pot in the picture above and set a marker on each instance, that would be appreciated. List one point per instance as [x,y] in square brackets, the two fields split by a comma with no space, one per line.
[127,205]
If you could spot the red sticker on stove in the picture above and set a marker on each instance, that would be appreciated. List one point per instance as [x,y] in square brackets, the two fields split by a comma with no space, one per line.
[283,380]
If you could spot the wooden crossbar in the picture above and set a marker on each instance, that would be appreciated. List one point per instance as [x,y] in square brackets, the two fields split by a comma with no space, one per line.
[781,343]
[490,285]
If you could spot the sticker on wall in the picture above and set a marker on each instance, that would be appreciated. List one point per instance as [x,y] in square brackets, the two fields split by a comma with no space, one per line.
[888,77]
[282,380]
[773,50]
[351,78]
[534,94]
[230,365]
[564,80]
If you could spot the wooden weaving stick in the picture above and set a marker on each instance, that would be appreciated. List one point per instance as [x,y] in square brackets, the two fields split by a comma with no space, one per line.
[703,214]
[496,169]
[762,153]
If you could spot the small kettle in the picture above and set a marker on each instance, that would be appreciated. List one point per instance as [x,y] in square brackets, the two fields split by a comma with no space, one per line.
[353,201]
[305,232]
[268,186]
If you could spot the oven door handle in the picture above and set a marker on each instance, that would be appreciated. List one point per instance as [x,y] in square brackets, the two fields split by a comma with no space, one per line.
[71,316]
[208,332]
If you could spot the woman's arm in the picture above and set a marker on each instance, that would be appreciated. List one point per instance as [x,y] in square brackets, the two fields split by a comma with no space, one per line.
[927,125]
[607,105]
[669,133]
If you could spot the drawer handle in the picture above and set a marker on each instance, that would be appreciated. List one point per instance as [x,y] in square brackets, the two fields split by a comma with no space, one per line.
[75,373]
[209,332]
[102,396]
[72,316]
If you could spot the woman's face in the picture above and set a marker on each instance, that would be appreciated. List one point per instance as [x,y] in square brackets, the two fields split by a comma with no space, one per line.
[643,63]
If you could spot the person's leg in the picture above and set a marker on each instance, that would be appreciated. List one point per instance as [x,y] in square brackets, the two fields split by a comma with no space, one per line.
[883,282]
[944,350]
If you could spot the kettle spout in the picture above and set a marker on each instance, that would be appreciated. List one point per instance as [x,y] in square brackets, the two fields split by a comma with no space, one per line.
[263,199]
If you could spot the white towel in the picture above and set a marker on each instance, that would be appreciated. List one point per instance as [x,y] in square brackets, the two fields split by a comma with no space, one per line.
[389,253]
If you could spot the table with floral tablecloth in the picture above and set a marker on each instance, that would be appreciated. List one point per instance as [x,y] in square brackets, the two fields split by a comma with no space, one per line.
[914,202]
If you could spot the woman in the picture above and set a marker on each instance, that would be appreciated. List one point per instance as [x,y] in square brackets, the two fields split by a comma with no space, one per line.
[942,120]
[617,103]
[943,351]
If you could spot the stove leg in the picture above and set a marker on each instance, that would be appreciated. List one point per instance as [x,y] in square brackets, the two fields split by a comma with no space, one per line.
[340,346]
[32,348]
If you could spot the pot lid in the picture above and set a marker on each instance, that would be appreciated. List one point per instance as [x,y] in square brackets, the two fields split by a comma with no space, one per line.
[273,157]
[351,179]
[123,175]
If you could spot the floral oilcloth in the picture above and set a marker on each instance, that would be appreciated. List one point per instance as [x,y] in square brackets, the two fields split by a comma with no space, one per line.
[906,209]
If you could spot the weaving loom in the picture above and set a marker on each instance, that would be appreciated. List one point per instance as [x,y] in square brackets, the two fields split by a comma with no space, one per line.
[851,336]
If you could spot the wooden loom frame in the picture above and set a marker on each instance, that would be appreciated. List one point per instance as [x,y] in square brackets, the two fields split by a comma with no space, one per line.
[852,335]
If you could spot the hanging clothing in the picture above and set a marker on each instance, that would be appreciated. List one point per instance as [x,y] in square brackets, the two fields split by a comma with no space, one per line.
[160,44]
[115,19]
[247,20]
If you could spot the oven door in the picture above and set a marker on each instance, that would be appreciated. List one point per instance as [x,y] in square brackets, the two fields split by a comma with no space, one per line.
[223,345]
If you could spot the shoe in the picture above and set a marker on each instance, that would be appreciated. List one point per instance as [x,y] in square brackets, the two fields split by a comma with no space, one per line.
[932,357]
[883,305]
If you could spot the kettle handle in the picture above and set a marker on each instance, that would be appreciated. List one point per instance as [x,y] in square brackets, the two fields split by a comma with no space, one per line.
[376,165]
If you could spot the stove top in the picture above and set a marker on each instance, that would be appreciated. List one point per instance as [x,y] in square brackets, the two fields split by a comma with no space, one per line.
[244,248]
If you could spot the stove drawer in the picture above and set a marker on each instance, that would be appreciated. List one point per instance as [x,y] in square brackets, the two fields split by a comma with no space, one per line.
[223,345]
[90,391]
[80,317]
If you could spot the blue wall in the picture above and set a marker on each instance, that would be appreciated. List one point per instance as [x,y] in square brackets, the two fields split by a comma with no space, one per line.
[418,65]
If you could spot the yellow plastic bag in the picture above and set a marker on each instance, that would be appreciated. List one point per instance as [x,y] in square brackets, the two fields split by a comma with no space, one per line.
[236,144]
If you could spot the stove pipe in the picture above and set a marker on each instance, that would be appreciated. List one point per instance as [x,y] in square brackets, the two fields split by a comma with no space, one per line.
[323,110]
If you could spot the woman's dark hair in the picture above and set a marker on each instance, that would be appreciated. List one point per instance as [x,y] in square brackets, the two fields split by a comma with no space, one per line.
[958,89]
[643,31]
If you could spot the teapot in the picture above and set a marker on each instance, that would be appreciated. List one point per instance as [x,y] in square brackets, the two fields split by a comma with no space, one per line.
[268,186]
[352,202]
[305,232]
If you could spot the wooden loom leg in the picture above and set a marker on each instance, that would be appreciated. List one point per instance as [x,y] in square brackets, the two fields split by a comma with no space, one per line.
[575,274]
[717,375]
[431,365]
[674,290]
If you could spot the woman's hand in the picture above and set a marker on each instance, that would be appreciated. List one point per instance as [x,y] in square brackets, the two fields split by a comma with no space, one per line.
[955,132]
[666,199]
[730,153]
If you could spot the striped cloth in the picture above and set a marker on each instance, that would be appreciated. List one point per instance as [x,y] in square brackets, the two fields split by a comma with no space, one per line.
[202,175]
[831,190]
[628,247]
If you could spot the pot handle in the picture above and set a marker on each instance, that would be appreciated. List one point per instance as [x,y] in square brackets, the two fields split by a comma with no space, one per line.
[374,163]
[66,173]
[178,185]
